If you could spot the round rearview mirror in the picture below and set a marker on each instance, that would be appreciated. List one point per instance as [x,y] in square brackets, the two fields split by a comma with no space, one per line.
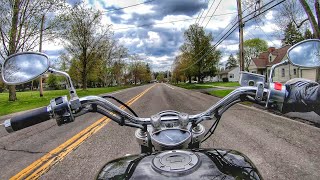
[305,54]
[23,67]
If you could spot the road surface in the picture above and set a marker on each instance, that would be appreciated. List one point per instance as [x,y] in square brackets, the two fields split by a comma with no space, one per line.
[281,148]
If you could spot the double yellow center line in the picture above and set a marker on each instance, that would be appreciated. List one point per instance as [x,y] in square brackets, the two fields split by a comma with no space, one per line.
[42,165]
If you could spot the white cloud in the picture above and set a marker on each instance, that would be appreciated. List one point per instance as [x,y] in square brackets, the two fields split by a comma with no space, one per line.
[154,40]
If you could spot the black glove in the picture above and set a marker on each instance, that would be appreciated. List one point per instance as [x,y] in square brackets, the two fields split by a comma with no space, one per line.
[302,96]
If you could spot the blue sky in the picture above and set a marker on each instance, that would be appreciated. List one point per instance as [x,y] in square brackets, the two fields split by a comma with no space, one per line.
[159,42]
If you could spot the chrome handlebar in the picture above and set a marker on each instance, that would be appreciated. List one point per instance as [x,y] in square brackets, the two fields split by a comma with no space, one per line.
[62,110]
[217,109]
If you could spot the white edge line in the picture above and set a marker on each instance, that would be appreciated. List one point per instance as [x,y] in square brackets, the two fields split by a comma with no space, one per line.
[168,86]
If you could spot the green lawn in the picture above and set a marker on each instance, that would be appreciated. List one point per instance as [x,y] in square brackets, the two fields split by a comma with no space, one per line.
[220,93]
[30,99]
[207,85]
[193,86]
[223,93]
[224,84]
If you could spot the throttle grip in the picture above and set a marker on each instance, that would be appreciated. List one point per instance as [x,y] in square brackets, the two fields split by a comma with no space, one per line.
[27,119]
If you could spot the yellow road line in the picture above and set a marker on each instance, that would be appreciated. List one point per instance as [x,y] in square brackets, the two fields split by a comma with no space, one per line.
[42,165]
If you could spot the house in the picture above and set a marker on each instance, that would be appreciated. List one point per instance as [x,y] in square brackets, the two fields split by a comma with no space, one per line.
[263,63]
[231,74]
[211,79]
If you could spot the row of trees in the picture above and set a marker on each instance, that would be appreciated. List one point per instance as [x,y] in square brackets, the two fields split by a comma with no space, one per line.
[198,58]
[129,70]
[92,56]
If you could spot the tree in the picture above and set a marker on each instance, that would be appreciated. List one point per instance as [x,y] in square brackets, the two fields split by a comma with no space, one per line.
[308,34]
[231,62]
[315,23]
[198,49]
[117,62]
[160,77]
[52,81]
[314,20]
[291,35]
[19,26]
[291,12]
[252,48]
[86,39]
[140,71]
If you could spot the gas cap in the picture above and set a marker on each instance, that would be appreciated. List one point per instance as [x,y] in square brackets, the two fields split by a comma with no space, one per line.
[175,161]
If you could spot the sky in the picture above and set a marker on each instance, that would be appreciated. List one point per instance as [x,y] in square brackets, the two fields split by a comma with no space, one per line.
[147,29]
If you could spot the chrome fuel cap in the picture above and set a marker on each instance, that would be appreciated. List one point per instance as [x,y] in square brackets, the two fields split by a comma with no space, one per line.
[175,161]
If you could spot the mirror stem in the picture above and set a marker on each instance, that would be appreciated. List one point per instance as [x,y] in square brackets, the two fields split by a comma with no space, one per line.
[72,90]
[285,62]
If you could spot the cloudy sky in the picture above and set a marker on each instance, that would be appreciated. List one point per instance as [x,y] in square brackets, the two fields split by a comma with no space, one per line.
[154,30]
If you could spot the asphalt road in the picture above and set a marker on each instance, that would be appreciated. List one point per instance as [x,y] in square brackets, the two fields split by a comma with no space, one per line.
[281,148]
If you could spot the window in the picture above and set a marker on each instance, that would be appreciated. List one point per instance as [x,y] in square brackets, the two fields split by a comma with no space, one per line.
[270,58]
[283,74]
[231,75]
[294,71]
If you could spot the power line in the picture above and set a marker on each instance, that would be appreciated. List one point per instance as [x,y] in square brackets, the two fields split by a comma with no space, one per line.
[189,19]
[201,14]
[208,11]
[234,19]
[265,32]
[117,9]
[198,16]
[213,13]
[225,36]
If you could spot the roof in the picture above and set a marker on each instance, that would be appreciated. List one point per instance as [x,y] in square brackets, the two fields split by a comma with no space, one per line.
[263,61]
[280,53]
[226,71]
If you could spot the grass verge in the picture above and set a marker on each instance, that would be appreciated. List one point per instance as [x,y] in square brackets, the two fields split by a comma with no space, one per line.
[207,85]
[31,99]
[224,84]
[220,93]
[223,93]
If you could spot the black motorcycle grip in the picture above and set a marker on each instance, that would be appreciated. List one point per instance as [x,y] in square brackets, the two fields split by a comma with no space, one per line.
[27,119]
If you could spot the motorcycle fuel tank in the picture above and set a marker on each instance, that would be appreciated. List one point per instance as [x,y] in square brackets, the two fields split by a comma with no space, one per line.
[182,164]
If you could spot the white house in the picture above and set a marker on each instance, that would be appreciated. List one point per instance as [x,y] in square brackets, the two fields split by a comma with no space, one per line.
[262,65]
[232,74]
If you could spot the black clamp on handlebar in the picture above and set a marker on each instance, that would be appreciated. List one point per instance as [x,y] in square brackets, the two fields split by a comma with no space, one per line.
[61,110]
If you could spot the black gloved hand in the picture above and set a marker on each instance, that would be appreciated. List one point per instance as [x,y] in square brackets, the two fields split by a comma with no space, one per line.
[302,96]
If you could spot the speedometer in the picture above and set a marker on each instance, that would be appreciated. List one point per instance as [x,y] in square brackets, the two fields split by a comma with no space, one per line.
[171,137]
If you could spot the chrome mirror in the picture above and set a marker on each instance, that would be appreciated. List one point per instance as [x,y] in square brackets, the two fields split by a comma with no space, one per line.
[23,67]
[305,54]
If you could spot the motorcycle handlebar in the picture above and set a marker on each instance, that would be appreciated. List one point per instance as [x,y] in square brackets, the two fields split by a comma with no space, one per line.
[27,119]
[43,114]
[219,107]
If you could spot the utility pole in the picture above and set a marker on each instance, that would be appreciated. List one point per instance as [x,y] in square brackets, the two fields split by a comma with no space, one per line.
[40,50]
[240,35]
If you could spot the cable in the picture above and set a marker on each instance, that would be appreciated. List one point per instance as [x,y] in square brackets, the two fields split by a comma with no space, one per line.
[151,24]
[208,12]
[117,9]
[264,32]
[201,14]
[223,37]
[234,19]
[212,14]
